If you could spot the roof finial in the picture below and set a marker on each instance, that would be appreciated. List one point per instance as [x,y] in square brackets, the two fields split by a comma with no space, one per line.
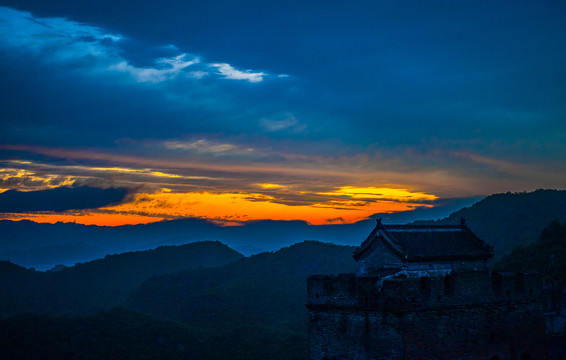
[462,222]
[378,221]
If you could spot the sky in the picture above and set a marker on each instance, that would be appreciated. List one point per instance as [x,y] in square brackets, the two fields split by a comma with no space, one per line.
[123,112]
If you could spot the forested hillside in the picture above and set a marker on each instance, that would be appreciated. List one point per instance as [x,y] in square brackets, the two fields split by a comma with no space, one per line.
[251,308]
[546,256]
[257,302]
[103,283]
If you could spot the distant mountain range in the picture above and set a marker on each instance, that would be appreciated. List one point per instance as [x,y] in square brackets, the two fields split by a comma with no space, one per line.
[43,246]
[504,220]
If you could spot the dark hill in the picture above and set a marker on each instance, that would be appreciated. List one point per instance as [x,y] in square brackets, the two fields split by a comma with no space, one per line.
[511,219]
[546,256]
[101,284]
[256,300]
[114,334]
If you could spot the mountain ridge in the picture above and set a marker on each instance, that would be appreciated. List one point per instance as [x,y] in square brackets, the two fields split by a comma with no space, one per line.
[507,220]
[503,220]
[102,283]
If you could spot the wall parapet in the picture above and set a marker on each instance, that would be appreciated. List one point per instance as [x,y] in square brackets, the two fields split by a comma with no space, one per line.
[421,290]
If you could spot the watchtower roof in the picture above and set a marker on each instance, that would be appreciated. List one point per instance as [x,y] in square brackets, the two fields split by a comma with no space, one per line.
[418,243]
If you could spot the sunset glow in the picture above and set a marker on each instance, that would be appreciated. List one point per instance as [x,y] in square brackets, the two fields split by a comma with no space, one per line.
[233,207]
[380,193]
[253,206]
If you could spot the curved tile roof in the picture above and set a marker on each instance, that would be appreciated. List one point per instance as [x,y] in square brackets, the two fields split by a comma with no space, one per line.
[415,243]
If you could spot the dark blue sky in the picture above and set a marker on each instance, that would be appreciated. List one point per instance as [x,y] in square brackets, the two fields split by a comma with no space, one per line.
[455,99]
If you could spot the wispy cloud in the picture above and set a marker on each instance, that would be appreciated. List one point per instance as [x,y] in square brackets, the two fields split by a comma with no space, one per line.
[286,122]
[204,146]
[41,176]
[229,72]
[173,67]
[61,39]
[95,50]
[373,193]
[271,186]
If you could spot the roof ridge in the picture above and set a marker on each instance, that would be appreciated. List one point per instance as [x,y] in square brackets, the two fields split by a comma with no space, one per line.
[421,226]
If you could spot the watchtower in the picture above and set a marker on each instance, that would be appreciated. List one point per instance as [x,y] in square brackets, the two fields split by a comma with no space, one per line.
[425,292]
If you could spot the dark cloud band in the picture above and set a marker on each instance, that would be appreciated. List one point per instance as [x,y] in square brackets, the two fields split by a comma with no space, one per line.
[59,199]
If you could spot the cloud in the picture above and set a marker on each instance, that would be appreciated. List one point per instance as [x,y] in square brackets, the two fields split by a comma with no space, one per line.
[335,220]
[46,176]
[173,67]
[289,123]
[308,178]
[95,50]
[272,186]
[11,178]
[229,72]
[203,146]
[58,40]
[59,199]
[374,193]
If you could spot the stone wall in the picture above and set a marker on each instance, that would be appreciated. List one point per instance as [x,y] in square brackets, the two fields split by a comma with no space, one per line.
[462,315]
[421,290]
[355,335]
[477,265]
[508,331]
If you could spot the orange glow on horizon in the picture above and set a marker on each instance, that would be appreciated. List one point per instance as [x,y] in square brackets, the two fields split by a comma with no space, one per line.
[345,205]
[252,206]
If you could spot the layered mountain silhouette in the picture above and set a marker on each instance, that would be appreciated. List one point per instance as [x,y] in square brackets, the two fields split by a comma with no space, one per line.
[44,246]
[249,308]
[206,300]
[504,220]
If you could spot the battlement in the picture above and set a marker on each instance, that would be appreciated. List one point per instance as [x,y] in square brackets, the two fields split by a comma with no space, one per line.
[425,292]
[421,290]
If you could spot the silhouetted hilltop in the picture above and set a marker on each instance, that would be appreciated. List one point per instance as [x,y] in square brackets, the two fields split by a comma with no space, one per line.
[9,269]
[103,283]
[511,219]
